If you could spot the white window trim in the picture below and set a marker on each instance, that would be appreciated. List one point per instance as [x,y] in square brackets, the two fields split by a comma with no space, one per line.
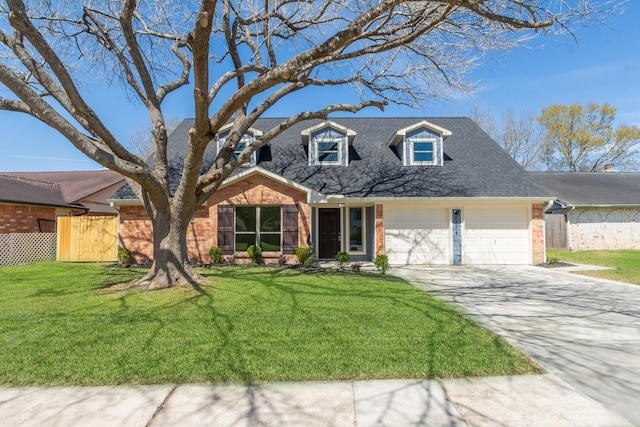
[364,230]
[410,143]
[339,140]
[257,231]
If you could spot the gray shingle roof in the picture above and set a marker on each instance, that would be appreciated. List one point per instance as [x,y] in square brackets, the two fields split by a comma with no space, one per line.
[592,188]
[474,165]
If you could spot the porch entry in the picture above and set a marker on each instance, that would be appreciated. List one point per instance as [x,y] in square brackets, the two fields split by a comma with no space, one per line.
[328,232]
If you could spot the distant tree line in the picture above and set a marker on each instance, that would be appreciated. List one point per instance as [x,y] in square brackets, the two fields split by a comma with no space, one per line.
[575,138]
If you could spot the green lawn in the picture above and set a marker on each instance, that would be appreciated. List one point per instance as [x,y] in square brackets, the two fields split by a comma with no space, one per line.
[625,264]
[58,325]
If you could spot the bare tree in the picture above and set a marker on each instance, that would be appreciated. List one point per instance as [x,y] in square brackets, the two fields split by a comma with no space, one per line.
[583,138]
[141,142]
[520,136]
[243,57]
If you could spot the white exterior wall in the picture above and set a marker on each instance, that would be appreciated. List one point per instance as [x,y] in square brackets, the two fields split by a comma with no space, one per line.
[493,232]
[604,228]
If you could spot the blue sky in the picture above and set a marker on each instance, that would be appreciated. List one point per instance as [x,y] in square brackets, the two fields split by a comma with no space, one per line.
[602,66]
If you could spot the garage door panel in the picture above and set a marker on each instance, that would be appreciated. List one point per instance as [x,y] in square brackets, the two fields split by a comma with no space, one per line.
[416,236]
[496,236]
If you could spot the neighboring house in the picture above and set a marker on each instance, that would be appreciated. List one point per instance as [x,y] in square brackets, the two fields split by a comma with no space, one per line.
[598,210]
[31,201]
[434,191]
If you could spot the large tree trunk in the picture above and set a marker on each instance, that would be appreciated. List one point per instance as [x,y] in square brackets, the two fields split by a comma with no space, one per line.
[171,267]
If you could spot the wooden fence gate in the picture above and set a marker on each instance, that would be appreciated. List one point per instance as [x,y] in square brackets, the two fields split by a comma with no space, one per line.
[555,226]
[87,238]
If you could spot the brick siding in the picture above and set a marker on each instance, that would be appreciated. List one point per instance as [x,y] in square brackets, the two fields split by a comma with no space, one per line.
[379,230]
[17,218]
[537,225]
[136,230]
[604,229]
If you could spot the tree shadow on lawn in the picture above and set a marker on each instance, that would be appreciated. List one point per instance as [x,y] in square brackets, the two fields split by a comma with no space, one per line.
[329,308]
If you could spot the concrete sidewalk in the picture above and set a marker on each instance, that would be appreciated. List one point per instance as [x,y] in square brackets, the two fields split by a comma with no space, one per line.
[530,400]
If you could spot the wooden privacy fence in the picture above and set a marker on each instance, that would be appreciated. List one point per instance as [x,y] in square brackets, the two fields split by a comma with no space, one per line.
[87,238]
[555,226]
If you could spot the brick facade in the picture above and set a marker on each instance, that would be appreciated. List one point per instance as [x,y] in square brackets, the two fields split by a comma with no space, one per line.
[604,228]
[19,218]
[379,230]
[136,230]
[537,234]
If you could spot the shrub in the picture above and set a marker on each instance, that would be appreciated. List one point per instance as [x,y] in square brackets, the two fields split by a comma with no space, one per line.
[356,267]
[342,258]
[312,261]
[303,254]
[382,263]
[124,256]
[254,253]
[215,254]
[553,260]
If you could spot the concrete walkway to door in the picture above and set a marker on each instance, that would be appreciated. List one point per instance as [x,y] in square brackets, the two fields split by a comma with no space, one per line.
[584,330]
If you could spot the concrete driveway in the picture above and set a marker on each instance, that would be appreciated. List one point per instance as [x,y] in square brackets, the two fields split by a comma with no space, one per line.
[586,331]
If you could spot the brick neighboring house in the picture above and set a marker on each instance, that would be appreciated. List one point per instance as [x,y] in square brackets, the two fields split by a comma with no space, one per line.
[422,191]
[31,201]
[599,210]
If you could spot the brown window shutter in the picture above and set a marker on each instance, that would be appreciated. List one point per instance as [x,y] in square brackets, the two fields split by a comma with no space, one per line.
[225,229]
[289,229]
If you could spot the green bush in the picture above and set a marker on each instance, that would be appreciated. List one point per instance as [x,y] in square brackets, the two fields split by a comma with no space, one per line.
[124,256]
[302,255]
[382,263]
[342,258]
[254,253]
[312,261]
[552,260]
[215,254]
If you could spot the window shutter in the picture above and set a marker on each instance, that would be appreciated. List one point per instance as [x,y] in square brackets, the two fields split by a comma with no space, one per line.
[289,229]
[225,229]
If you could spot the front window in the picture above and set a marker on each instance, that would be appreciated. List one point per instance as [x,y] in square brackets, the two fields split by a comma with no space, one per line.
[356,229]
[260,226]
[422,151]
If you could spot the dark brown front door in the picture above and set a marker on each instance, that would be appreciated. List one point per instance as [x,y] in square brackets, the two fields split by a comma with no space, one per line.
[329,233]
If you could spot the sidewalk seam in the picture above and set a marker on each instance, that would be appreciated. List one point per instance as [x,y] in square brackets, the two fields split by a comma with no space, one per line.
[161,407]
[450,400]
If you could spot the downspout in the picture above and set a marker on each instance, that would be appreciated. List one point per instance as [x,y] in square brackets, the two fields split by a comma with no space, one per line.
[544,227]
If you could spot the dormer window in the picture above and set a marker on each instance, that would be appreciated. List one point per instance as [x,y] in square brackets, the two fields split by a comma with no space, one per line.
[247,139]
[329,150]
[422,151]
[420,144]
[328,144]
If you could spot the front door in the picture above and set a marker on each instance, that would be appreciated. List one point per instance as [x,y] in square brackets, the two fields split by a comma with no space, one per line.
[456,224]
[328,233]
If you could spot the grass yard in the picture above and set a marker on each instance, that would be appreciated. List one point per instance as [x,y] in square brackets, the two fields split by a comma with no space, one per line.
[625,264]
[58,325]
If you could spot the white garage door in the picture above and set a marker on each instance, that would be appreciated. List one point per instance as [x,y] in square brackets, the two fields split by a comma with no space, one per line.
[415,234]
[496,236]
